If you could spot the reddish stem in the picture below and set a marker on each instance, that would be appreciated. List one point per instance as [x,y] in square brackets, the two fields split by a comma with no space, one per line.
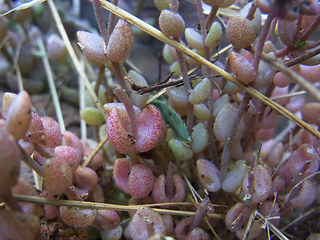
[208,72]
[311,29]
[201,211]
[123,97]
[261,40]
[100,21]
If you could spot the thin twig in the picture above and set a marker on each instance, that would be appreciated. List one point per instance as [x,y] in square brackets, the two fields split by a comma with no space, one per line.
[95,205]
[83,125]
[275,230]
[95,151]
[303,57]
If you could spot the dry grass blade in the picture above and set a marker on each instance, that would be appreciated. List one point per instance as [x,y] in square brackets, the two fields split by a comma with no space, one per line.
[94,205]
[94,152]
[23,6]
[160,36]
[51,83]
[275,230]
[74,57]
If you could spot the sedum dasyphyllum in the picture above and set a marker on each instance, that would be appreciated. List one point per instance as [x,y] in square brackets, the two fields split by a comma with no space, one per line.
[137,180]
[150,127]
[280,181]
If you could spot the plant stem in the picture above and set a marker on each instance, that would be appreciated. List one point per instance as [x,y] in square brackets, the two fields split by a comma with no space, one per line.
[31,163]
[123,97]
[261,40]
[101,21]
[294,76]
[211,16]
[208,72]
[201,211]
[311,29]
[225,158]
[303,57]
[187,87]
[112,19]
[119,75]
[162,37]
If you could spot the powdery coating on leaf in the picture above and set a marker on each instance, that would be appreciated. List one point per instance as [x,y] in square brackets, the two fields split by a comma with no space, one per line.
[25,188]
[197,234]
[120,42]
[52,134]
[311,112]
[300,165]
[306,196]
[281,80]
[201,112]
[180,151]
[72,140]
[6,101]
[19,115]
[136,98]
[121,170]
[159,190]
[171,24]
[17,225]
[287,31]
[199,137]
[310,73]
[77,217]
[223,122]
[140,182]
[234,178]
[56,48]
[58,176]
[208,175]
[118,134]
[92,116]
[242,68]
[9,161]
[194,38]
[237,217]
[178,100]
[85,178]
[262,184]
[201,92]
[70,155]
[35,131]
[256,21]
[271,210]
[107,219]
[214,35]
[93,46]
[138,226]
[150,128]
[183,227]
[240,32]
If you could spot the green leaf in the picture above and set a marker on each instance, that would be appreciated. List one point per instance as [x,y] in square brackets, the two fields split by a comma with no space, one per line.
[173,119]
[92,116]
